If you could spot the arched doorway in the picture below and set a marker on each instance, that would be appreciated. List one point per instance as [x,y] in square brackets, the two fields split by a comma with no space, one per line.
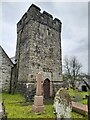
[46,87]
[84,88]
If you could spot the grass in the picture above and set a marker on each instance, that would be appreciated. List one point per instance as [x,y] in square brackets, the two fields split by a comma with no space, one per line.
[16,107]
[75,92]
[82,95]
[83,101]
[77,116]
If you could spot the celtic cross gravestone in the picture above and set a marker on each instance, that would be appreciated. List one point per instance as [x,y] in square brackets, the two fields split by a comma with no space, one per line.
[38,99]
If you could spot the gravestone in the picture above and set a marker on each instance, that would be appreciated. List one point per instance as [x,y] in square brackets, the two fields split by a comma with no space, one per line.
[38,99]
[3,115]
[62,104]
[1,111]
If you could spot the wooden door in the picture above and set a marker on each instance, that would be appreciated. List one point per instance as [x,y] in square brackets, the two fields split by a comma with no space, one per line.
[46,86]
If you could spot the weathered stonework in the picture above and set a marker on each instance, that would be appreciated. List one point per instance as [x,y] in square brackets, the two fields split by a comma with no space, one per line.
[39,47]
[62,104]
[5,70]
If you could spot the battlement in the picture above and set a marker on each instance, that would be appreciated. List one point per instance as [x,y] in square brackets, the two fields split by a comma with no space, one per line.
[34,7]
[45,14]
[33,13]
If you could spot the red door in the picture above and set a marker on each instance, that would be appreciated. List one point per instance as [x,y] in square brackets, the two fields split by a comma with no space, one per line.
[46,88]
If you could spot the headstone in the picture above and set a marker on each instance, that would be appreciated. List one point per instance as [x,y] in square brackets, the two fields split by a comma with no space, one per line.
[3,115]
[1,111]
[38,99]
[39,85]
[62,104]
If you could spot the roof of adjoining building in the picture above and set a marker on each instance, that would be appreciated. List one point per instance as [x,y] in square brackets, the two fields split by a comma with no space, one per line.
[2,50]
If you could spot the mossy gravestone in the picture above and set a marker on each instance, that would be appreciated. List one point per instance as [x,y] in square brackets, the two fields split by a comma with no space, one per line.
[62,104]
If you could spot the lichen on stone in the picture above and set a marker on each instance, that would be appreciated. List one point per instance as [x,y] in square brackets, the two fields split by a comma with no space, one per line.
[62,104]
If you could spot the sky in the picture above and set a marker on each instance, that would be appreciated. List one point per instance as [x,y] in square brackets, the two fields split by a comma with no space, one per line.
[74,34]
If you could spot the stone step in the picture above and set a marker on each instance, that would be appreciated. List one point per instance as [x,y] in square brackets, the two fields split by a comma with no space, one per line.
[79,108]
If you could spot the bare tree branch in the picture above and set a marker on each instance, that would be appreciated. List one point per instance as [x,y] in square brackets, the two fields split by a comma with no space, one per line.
[72,69]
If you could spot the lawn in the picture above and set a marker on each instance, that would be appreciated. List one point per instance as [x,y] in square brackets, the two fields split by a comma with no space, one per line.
[81,96]
[16,107]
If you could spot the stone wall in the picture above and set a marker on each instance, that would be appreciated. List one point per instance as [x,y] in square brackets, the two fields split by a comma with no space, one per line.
[38,46]
[6,65]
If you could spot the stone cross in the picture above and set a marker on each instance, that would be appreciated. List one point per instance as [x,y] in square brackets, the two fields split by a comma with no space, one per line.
[39,84]
[38,98]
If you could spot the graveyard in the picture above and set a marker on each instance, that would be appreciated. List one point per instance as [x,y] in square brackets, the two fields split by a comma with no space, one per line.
[33,86]
[17,107]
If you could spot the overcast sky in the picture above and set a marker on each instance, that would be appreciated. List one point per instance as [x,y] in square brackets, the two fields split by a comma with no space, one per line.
[74,18]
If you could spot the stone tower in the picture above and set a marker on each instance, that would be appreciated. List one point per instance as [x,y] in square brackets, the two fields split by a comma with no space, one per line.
[39,49]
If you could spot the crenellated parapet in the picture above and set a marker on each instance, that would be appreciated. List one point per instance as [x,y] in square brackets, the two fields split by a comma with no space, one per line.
[33,13]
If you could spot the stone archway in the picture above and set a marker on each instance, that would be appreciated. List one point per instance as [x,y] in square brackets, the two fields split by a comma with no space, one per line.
[84,88]
[46,88]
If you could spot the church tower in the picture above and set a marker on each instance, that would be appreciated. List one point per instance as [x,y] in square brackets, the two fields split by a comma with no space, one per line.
[39,49]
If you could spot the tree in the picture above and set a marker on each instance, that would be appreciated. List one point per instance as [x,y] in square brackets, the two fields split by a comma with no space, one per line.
[72,70]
